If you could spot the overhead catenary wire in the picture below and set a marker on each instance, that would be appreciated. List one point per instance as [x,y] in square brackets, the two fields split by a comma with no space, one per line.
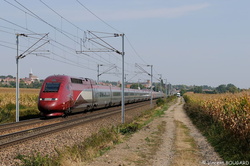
[65,60]
[66,34]
[106,45]
[52,40]
[98,17]
[23,54]
[112,28]
[67,48]
[61,16]
[127,39]
[7,46]
[67,19]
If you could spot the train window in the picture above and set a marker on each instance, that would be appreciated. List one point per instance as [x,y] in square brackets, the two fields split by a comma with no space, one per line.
[76,81]
[51,87]
[126,94]
[101,94]
[116,93]
[104,94]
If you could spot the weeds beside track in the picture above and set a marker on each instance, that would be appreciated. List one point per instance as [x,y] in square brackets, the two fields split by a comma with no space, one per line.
[28,104]
[96,144]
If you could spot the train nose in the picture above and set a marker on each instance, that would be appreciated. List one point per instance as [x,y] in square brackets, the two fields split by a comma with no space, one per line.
[48,103]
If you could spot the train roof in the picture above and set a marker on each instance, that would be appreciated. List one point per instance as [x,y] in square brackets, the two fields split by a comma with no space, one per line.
[72,78]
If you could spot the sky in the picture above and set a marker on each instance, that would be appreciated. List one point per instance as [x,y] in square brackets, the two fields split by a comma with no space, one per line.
[191,42]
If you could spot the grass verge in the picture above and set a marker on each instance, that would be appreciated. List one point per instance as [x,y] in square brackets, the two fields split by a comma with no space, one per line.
[186,150]
[97,144]
[8,114]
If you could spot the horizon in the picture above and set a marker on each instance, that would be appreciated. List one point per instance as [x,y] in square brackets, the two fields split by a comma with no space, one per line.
[132,82]
[187,42]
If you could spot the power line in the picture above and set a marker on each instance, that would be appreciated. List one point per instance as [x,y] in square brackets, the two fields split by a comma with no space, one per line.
[61,46]
[98,17]
[8,47]
[67,61]
[39,18]
[61,15]
[52,41]
[136,53]
[113,29]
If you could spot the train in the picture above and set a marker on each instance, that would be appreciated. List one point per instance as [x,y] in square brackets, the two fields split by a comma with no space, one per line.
[61,95]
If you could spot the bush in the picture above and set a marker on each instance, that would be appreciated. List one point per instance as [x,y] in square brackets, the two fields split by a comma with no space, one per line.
[129,128]
[10,106]
[160,102]
[35,160]
[5,116]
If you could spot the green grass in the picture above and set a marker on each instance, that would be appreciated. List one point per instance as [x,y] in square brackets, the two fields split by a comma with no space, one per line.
[35,160]
[93,146]
[8,113]
[98,143]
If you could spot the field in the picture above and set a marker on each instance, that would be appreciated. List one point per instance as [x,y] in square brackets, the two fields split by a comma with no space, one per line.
[28,103]
[224,118]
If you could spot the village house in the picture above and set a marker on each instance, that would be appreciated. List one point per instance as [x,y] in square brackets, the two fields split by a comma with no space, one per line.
[27,81]
[7,80]
[30,79]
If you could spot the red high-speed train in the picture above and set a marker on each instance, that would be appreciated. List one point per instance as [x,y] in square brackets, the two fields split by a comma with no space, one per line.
[61,95]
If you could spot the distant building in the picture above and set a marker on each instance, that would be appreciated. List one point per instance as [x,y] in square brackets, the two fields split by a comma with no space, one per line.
[27,81]
[32,78]
[7,80]
[104,83]
[145,84]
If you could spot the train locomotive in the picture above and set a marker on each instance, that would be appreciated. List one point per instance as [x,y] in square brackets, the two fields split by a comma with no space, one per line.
[61,95]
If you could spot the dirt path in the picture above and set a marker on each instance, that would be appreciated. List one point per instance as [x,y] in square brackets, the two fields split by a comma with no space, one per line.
[169,140]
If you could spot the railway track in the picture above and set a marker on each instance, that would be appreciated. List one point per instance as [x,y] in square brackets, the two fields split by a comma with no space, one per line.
[33,133]
[8,126]
[27,124]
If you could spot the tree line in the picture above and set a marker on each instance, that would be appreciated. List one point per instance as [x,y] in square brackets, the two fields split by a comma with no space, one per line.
[223,88]
[12,84]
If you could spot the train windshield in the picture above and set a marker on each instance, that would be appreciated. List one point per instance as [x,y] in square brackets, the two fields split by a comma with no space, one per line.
[51,87]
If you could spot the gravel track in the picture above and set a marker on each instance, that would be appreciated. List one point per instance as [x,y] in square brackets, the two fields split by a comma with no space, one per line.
[48,144]
[138,152]
[134,151]
[206,150]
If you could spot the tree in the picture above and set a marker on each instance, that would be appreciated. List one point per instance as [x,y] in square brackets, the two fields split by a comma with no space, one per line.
[36,84]
[135,86]
[232,88]
[157,87]
[12,84]
[226,88]
[22,84]
[221,89]
[197,89]
[182,91]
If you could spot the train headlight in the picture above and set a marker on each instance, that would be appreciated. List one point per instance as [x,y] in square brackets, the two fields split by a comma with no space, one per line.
[48,99]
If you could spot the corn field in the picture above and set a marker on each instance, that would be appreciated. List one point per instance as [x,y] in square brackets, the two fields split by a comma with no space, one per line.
[231,110]
[28,97]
